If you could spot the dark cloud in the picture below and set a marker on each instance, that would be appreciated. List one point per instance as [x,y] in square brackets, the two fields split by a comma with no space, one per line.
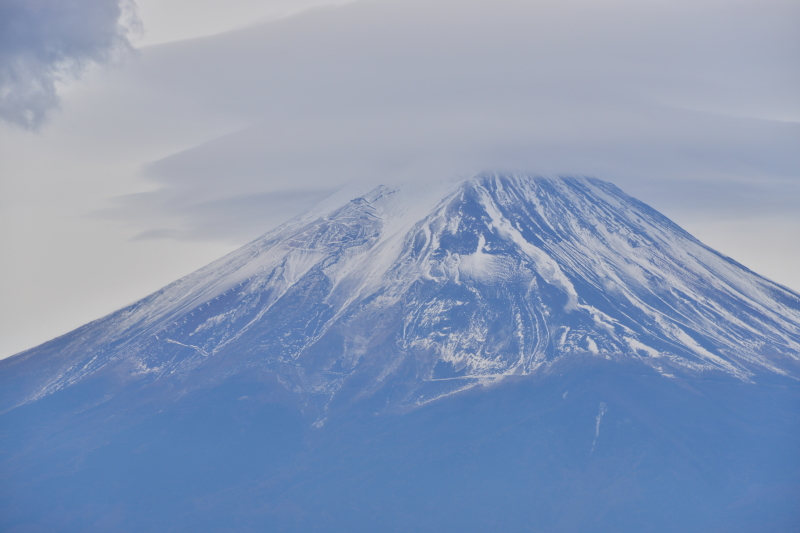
[41,41]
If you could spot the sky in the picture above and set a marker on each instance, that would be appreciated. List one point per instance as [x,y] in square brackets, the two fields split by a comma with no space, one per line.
[142,140]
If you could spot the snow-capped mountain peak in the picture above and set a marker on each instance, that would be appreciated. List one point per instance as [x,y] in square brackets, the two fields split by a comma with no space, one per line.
[426,295]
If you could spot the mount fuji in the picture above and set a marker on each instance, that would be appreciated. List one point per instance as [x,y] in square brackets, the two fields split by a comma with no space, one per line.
[505,353]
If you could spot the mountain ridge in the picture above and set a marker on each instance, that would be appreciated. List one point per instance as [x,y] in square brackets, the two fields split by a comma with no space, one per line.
[508,353]
[504,275]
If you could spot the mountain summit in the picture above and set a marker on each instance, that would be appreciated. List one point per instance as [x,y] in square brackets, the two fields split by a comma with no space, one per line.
[391,302]
[504,276]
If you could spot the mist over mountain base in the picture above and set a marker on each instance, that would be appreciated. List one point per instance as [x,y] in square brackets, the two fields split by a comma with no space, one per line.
[595,446]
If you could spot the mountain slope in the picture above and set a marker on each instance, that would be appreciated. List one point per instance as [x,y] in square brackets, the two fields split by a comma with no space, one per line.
[506,274]
[509,353]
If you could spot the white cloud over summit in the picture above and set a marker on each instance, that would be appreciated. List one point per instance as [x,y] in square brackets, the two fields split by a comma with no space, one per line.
[640,93]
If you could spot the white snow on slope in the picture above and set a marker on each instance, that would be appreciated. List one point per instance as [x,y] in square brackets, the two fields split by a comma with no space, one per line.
[469,282]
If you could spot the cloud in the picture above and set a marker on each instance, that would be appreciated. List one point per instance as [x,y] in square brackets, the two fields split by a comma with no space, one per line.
[174,20]
[237,218]
[42,41]
[643,94]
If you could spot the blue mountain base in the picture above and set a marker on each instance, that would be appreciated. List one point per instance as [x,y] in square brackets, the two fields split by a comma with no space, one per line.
[589,446]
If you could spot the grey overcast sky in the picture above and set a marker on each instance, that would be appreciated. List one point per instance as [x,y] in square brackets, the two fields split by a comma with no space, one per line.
[141,140]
